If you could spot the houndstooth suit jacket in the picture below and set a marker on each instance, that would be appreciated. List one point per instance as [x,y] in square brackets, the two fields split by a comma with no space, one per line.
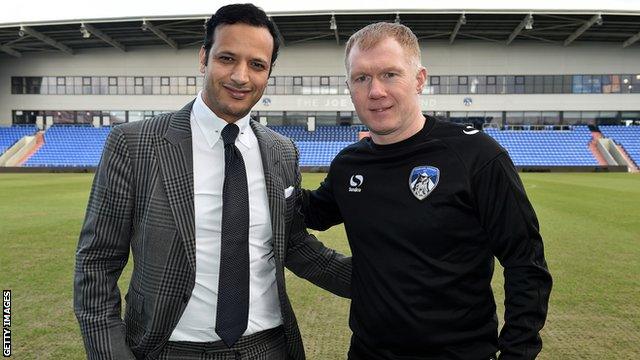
[142,199]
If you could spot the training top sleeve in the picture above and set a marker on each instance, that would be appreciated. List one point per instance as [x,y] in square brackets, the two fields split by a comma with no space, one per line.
[319,206]
[507,215]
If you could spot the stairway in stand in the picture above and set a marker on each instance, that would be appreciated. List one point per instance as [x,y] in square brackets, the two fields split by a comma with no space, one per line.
[633,167]
[593,147]
[39,142]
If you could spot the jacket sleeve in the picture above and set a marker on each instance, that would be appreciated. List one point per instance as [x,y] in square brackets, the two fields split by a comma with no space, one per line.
[308,258]
[508,217]
[103,251]
[319,207]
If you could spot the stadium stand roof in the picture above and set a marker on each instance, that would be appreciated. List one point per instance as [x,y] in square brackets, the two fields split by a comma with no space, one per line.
[73,26]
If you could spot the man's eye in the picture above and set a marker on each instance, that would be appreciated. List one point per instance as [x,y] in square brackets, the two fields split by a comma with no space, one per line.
[360,78]
[389,75]
[225,58]
[258,65]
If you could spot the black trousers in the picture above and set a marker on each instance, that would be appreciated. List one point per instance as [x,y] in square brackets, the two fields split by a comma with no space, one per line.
[265,345]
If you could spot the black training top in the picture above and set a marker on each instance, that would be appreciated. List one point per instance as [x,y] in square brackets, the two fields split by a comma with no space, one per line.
[425,218]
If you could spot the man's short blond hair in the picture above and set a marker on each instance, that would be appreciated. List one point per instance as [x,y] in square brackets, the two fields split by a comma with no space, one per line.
[372,34]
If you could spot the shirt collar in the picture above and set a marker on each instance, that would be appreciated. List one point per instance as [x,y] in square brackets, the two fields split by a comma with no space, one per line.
[211,125]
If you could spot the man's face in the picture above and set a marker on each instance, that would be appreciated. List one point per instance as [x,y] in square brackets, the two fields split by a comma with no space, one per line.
[384,82]
[237,70]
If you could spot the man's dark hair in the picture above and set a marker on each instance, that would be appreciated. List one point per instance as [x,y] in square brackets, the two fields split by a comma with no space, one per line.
[240,13]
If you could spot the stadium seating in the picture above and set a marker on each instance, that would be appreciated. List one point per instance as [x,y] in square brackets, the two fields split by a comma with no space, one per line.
[319,147]
[547,147]
[322,133]
[9,135]
[627,136]
[68,145]
[314,153]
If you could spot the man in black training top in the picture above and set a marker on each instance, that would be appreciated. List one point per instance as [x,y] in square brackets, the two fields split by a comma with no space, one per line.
[426,206]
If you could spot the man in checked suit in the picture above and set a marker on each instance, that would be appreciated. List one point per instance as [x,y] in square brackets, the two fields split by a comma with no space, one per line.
[209,242]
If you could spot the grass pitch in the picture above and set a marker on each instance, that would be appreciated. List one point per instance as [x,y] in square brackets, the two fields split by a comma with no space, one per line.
[590,224]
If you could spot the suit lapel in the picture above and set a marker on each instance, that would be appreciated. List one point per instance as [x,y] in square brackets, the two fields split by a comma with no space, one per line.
[175,156]
[269,152]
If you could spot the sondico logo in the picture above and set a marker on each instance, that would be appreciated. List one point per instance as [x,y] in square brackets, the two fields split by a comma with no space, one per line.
[470,130]
[355,183]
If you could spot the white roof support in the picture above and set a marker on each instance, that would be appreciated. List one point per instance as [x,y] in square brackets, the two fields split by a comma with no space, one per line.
[518,29]
[461,21]
[45,39]
[10,51]
[147,25]
[104,37]
[597,18]
[631,40]
[333,25]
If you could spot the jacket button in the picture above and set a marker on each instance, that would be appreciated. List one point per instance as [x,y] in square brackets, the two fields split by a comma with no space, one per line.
[185,298]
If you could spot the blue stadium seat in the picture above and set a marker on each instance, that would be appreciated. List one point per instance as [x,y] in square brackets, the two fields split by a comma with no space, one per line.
[547,147]
[319,147]
[9,135]
[70,145]
[627,136]
[77,145]
[67,145]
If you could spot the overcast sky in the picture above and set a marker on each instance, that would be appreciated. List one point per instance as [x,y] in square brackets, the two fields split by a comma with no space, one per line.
[27,11]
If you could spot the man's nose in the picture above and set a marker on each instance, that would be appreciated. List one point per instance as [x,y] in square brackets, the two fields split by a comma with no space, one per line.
[376,89]
[240,74]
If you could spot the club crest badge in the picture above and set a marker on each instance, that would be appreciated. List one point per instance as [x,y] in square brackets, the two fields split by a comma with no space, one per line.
[423,180]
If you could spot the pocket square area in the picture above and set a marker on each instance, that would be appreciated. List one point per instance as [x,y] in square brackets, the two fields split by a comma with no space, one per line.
[288,191]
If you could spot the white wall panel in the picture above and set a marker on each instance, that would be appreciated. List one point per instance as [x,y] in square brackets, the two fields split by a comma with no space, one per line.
[471,58]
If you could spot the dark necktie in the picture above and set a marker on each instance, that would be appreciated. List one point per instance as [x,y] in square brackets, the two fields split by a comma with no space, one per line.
[233,286]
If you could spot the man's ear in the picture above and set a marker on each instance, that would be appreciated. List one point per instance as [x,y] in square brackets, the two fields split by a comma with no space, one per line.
[202,58]
[421,77]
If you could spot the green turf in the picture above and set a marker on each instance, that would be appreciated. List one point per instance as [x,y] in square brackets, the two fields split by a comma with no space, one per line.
[590,223]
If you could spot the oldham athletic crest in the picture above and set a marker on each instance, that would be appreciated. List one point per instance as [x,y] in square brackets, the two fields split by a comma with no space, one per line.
[423,180]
